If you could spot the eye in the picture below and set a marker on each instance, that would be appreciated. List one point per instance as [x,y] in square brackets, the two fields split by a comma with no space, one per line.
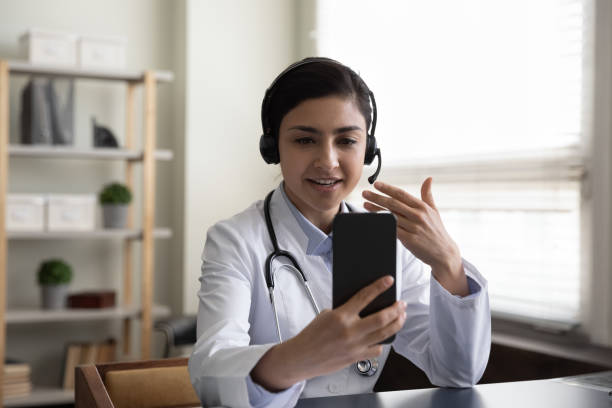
[347,141]
[304,140]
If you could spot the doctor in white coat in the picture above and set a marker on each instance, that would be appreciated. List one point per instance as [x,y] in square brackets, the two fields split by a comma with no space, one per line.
[319,119]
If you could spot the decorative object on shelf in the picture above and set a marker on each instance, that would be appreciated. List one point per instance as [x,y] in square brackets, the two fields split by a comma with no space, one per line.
[61,106]
[114,199]
[71,212]
[36,127]
[54,275]
[41,46]
[46,116]
[102,136]
[101,52]
[25,212]
[92,299]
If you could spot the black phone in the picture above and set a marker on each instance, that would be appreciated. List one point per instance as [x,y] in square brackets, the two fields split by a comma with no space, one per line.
[364,249]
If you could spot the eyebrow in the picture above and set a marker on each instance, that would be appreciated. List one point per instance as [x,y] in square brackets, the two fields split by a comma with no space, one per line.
[310,129]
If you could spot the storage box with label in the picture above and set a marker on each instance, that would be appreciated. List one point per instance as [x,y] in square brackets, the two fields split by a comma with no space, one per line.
[25,212]
[71,212]
[49,47]
[101,52]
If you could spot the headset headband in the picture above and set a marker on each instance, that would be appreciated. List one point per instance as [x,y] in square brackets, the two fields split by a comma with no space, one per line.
[265,105]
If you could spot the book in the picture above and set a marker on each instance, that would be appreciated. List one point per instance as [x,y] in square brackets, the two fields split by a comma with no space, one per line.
[16,379]
[16,369]
[16,390]
[107,351]
[87,353]
[73,357]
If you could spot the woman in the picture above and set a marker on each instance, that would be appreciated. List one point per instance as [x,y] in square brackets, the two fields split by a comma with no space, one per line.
[316,117]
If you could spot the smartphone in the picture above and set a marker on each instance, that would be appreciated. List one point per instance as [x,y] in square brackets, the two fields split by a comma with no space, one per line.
[364,249]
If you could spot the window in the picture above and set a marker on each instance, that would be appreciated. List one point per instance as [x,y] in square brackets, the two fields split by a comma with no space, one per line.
[486,96]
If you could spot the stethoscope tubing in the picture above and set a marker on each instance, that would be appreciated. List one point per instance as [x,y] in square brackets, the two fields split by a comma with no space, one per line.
[371,366]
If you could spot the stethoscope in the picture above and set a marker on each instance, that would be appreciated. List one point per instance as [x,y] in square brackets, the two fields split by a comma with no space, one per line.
[363,367]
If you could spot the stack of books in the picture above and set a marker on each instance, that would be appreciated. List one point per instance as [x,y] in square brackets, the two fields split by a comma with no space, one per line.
[16,379]
[87,353]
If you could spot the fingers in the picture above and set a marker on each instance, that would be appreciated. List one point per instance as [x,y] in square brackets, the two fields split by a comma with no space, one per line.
[426,194]
[366,295]
[398,194]
[387,331]
[382,318]
[373,207]
[396,206]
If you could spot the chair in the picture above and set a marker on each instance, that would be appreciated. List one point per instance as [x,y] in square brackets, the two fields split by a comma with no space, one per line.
[179,331]
[140,384]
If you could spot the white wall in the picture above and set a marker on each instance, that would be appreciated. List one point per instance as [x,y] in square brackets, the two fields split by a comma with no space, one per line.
[234,51]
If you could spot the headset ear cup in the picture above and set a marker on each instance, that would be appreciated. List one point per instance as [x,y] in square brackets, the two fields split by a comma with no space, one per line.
[269,149]
[370,152]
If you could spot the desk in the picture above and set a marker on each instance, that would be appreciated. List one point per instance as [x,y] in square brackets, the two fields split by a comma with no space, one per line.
[524,394]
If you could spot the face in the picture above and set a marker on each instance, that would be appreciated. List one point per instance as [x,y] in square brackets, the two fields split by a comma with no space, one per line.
[322,147]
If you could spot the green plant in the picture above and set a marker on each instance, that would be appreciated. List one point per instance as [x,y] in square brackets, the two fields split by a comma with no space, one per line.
[54,272]
[115,193]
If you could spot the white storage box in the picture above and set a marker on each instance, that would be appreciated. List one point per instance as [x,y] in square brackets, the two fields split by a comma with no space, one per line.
[25,212]
[49,47]
[71,212]
[101,52]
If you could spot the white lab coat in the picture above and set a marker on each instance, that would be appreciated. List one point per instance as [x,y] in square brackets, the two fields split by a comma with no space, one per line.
[446,336]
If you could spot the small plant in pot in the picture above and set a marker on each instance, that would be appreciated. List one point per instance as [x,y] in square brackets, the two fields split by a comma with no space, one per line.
[115,199]
[54,275]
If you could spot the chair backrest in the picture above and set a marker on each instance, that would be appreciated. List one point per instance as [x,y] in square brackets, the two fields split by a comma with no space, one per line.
[140,384]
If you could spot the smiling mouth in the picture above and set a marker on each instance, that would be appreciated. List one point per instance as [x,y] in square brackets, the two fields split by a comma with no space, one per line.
[325,182]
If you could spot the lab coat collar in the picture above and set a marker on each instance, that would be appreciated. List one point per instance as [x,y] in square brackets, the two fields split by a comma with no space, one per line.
[318,242]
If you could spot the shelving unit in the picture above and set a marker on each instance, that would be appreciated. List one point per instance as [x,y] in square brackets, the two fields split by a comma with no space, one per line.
[145,155]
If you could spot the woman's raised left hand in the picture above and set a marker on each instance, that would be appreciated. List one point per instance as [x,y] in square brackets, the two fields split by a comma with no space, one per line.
[420,229]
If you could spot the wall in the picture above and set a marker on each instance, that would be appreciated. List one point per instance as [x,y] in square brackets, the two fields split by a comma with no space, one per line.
[234,51]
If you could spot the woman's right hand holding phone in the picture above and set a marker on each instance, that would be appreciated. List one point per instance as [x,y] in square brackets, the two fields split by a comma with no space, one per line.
[333,340]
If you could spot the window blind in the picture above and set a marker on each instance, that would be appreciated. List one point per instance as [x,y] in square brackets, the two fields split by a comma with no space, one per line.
[486,96]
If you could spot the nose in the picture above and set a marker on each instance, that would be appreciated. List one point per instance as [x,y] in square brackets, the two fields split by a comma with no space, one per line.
[327,157]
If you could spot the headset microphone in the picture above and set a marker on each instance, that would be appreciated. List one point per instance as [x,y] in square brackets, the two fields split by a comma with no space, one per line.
[374,176]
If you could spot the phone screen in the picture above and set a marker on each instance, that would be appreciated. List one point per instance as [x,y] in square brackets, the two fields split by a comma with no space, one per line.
[364,249]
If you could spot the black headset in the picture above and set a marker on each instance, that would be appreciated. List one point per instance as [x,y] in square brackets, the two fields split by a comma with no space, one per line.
[268,142]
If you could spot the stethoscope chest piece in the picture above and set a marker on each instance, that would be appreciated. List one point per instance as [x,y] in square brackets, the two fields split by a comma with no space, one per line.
[367,367]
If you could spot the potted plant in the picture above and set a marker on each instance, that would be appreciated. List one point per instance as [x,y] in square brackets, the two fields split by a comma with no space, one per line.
[114,199]
[54,275]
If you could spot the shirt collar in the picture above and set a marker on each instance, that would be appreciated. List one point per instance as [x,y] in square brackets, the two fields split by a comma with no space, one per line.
[318,242]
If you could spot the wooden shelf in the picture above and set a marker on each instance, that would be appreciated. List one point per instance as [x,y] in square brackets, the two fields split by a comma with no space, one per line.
[63,152]
[95,234]
[42,396]
[22,67]
[22,316]
[147,157]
